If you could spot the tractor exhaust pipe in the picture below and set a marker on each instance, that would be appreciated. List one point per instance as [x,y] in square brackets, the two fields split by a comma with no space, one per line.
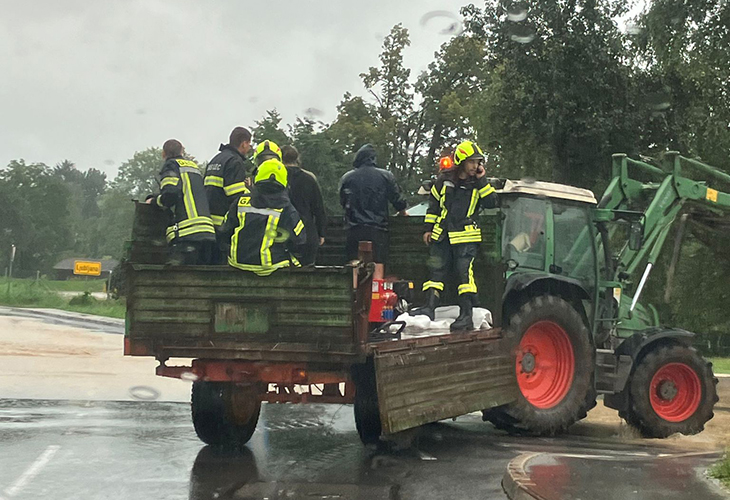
[641,285]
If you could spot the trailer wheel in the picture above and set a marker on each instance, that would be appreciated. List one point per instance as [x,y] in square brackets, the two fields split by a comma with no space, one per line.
[224,414]
[367,412]
[554,369]
[671,390]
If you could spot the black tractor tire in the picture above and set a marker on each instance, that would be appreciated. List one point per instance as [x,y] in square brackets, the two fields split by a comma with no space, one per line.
[676,368]
[577,398]
[367,411]
[224,414]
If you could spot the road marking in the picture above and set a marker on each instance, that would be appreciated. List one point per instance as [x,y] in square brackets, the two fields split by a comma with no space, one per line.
[31,471]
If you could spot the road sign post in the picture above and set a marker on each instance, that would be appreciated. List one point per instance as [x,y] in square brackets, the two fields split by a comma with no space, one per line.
[10,268]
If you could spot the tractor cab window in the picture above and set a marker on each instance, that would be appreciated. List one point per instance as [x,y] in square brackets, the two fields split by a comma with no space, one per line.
[523,234]
[574,252]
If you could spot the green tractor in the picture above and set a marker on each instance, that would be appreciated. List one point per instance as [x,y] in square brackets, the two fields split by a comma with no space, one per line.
[571,307]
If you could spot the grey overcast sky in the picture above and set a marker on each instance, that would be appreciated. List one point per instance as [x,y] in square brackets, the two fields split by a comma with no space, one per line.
[95,81]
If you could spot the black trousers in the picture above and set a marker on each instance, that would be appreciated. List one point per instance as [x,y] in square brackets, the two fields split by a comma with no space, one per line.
[307,253]
[220,256]
[192,253]
[379,237]
[446,259]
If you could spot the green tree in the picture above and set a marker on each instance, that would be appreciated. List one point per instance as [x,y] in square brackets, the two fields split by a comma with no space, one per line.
[320,155]
[447,89]
[37,220]
[268,128]
[138,176]
[685,50]
[393,124]
[558,99]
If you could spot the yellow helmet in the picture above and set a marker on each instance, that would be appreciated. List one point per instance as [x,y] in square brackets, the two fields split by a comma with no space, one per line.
[272,171]
[467,150]
[265,151]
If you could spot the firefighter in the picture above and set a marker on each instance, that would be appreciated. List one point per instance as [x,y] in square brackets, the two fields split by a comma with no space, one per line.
[225,177]
[266,151]
[263,227]
[452,232]
[192,235]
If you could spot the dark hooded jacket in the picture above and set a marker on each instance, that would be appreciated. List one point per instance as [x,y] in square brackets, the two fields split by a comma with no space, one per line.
[366,190]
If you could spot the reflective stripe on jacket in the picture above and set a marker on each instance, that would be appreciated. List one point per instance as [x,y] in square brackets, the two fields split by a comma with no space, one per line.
[263,235]
[225,178]
[453,206]
[181,190]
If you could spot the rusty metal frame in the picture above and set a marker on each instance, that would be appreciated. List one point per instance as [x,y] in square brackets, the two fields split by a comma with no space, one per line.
[282,376]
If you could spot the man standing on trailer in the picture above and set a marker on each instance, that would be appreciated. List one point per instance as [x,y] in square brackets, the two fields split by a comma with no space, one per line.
[225,176]
[306,196]
[365,192]
[191,236]
[452,231]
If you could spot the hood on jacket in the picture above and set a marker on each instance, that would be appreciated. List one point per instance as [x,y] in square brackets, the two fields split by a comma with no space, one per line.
[365,156]
[269,195]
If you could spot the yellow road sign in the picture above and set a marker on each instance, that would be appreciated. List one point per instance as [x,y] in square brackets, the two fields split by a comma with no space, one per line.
[87,268]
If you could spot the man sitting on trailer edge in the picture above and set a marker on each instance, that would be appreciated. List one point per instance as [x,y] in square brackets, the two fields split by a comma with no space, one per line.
[263,227]
[192,235]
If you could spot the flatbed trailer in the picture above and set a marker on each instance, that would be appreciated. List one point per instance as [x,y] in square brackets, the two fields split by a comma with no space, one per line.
[304,336]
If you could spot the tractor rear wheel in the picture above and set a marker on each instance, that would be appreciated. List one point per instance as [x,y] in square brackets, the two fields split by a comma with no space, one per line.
[225,414]
[671,390]
[554,368]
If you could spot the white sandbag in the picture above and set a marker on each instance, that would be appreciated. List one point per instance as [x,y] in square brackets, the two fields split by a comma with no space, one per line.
[421,325]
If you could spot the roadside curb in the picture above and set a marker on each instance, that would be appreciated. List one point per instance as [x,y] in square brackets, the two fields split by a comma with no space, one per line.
[516,482]
[61,315]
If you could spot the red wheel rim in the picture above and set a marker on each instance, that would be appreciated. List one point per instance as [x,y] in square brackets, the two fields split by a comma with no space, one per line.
[675,392]
[545,364]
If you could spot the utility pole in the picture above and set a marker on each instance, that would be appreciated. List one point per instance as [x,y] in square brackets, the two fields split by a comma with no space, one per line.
[10,269]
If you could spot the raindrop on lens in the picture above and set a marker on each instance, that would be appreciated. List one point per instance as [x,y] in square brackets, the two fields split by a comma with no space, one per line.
[144,393]
[516,12]
[454,28]
[313,113]
[633,29]
[521,33]
[658,101]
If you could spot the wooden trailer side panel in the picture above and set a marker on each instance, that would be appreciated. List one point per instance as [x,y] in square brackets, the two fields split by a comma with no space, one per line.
[220,312]
[427,383]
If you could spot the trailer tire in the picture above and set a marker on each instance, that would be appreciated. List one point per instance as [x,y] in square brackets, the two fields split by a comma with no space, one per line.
[367,411]
[672,390]
[554,364]
[224,414]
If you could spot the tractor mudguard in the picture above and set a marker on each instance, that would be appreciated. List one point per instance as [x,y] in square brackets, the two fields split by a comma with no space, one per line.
[626,357]
[520,281]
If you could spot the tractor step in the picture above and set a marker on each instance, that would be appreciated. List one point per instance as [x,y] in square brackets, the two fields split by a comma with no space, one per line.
[612,371]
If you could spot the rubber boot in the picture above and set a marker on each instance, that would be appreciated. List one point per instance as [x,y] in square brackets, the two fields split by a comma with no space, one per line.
[429,309]
[464,320]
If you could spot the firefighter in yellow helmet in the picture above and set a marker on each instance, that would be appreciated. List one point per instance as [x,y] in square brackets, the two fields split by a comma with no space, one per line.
[263,227]
[266,151]
[452,231]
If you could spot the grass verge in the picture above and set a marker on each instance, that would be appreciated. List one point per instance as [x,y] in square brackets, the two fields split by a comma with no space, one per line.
[721,365]
[37,294]
[721,471]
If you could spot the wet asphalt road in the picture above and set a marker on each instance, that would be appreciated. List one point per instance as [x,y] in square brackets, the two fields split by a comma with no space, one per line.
[148,450]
